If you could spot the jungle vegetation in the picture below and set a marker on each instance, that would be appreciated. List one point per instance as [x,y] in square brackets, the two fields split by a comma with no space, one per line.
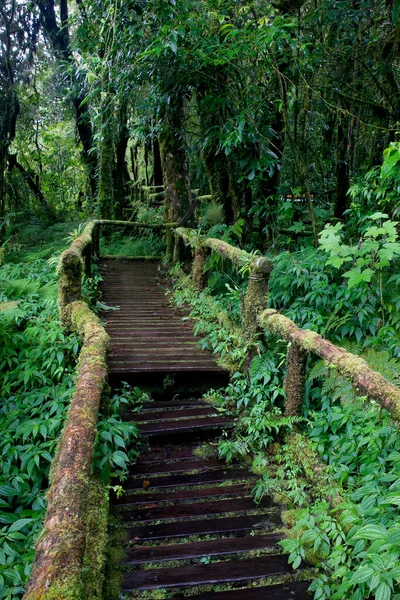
[272,125]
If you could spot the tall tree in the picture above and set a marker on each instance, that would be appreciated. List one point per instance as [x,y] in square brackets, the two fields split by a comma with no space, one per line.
[18,41]
[56,26]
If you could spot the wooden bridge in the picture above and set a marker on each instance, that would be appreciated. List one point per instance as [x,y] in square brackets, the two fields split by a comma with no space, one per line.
[186,522]
[180,509]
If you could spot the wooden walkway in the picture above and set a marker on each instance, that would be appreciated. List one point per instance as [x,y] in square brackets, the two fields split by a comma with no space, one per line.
[189,524]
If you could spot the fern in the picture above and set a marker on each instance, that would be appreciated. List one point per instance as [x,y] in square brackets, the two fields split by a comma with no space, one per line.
[319,370]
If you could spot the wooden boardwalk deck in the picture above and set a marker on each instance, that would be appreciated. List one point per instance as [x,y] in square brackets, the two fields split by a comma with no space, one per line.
[190,526]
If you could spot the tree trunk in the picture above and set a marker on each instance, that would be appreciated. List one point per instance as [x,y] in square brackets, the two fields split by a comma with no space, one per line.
[105,196]
[342,171]
[33,186]
[175,164]
[157,167]
[3,154]
[121,173]
[60,39]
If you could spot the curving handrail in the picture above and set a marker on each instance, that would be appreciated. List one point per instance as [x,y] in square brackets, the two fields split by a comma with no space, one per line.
[300,342]
[58,570]
[348,365]
[259,269]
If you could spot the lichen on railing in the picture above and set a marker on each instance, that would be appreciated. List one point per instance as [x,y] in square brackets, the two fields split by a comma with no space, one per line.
[348,365]
[258,267]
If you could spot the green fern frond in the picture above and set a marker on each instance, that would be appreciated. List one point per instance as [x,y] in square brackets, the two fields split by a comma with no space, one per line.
[318,371]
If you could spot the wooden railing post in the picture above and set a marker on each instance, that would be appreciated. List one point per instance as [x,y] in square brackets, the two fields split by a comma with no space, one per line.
[70,281]
[296,361]
[256,296]
[178,249]
[170,244]
[96,241]
[198,275]
[88,260]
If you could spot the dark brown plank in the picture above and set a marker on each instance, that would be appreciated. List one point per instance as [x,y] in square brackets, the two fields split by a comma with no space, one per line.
[190,510]
[188,424]
[173,403]
[281,591]
[179,467]
[174,414]
[217,547]
[204,527]
[166,368]
[191,494]
[213,573]
[211,476]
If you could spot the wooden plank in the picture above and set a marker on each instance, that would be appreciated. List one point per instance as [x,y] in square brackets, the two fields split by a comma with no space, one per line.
[217,547]
[211,476]
[178,467]
[173,367]
[213,573]
[190,510]
[296,590]
[173,403]
[192,494]
[185,425]
[142,533]
[173,414]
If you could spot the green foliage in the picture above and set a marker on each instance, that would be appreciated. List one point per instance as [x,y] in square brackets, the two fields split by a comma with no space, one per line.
[315,296]
[355,544]
[115,447]
[37,361]
[143,242]
[377,247]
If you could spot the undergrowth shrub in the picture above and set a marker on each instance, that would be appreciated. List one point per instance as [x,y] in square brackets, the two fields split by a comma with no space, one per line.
[37,360]
[37,364]
[138,243]
[356,543]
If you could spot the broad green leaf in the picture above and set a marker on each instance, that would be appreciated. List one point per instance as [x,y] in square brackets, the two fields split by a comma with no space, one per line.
[371,532]
[362,574]
[20,524]
[383,592]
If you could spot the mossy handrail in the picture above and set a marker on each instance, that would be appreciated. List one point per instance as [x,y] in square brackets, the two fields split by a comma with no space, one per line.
[64,544]
[300,342]
[77,259]
[259,269]
[353,367]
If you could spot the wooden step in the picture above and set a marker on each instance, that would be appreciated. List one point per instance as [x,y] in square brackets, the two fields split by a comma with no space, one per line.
[185,425]
[173,413]
[192,494]
[216,547]
[175,467]
[191,510]
[213,573]
[266,521]
[161,404]
[296,590]
[211,476]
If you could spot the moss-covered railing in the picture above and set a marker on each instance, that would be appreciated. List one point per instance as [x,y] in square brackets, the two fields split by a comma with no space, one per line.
[77,259]
[258,268]
[71,548]
[300,342]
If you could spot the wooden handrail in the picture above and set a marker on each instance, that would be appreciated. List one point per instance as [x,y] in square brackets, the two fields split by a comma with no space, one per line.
[259,270]
[60,550]
[78,258]
[348,365]
[300,342]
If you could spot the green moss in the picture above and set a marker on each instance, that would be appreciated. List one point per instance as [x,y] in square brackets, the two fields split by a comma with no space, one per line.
[310,340]
[96,540]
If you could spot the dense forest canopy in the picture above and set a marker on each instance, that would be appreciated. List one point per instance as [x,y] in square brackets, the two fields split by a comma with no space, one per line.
[280,110]
[272,126]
